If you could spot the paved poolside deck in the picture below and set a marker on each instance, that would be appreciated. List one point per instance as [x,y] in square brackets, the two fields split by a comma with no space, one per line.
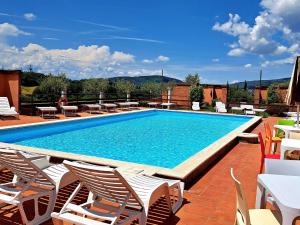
[210,201]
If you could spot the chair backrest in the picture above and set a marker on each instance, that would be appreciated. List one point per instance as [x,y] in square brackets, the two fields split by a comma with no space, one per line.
[196,104]
[262,150]
[286,122]
[242,210]
[268,131]
[105,182]
[220,105]
[262,145]
[4,104]
[22,167]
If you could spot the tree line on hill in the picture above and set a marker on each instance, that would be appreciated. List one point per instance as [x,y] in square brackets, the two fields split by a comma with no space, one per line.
[50,87]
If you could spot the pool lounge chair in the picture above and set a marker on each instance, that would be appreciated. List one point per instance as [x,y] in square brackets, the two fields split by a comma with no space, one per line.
[109,107]
[92,108]
[69,110]
[5,109]
[153,104]
[130,196]
[167,104]
[36,178]
[47,111]
[248,109]
[123,105]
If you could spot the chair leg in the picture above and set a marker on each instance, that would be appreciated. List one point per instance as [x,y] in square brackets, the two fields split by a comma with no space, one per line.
[178,203]
[38,219]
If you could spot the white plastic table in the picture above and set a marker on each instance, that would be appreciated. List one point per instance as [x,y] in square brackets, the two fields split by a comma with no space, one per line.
[288,144]
[287,129]
[284,190]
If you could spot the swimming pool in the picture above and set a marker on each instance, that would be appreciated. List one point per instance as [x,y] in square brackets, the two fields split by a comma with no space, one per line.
[158,138]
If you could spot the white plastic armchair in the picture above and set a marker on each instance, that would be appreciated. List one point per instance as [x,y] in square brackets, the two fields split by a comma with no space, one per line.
[221,107]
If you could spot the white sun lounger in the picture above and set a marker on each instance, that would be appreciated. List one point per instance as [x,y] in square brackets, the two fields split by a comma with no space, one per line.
[131,196]
[154,104]
[5,109]
[109,106]
[92,108]
[167,104]
[47,111]
[69,110]
[35,175]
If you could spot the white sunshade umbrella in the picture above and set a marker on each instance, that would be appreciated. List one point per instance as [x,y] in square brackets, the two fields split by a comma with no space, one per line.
[293,95]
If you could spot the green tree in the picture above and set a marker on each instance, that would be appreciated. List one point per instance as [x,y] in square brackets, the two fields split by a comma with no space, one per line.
[196,94]
[273,97]
[192,80]
[168,85]
[95,85]
[245,85]
[53,85]
[153,88]
[125,86]
[237,95]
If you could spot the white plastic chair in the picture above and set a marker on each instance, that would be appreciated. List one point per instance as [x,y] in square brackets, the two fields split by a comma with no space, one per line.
[196,106]
[131,196]
[5,109]
[246,216]
[33,174]
[221,107]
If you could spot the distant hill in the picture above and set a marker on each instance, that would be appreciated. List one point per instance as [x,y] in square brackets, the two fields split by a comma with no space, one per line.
[254,83]
[32,79]
[143,79]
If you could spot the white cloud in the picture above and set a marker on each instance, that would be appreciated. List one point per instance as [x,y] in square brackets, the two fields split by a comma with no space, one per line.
[233,26]
[162,58]
[248,65]
[236,52]
[148,61]
[121,57]
[78,63]
[7,29]
[234,81]
[215,60]
[274,33]
[50,38]
[288,60]
[82,62]
[29,16]
[133,39]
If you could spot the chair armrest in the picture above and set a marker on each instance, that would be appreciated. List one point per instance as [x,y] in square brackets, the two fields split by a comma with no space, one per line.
[282,167]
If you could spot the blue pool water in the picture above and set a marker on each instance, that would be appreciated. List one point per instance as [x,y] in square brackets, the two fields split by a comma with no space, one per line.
[158,138]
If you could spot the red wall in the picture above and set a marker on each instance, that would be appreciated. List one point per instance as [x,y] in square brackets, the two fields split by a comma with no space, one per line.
[10,86]
[181,94]
[212,92]
[281,91]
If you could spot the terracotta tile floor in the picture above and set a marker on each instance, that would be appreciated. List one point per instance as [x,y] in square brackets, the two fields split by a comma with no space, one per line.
[209,201]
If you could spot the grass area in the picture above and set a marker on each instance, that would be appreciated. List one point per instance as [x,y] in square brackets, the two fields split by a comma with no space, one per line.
[27,90]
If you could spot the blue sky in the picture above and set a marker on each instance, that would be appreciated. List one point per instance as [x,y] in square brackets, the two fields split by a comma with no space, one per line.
[221,40]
